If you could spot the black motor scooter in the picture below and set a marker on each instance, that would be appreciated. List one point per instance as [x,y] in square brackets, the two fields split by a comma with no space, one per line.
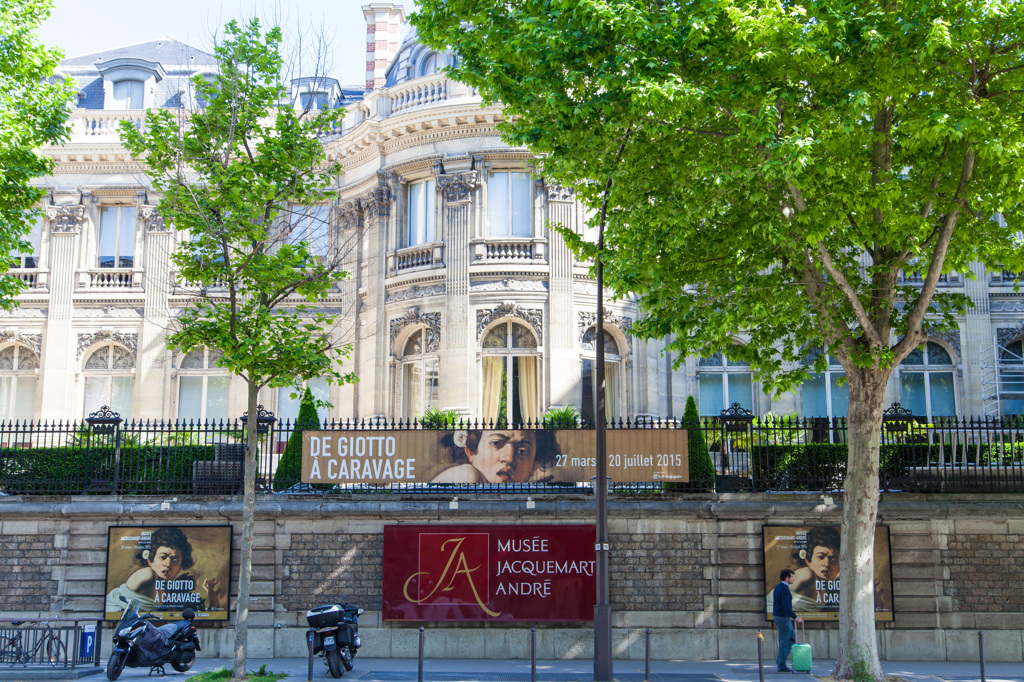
[140,644]
[335,635]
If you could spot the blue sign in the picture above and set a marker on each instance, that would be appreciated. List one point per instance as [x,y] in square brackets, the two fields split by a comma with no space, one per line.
[87,643]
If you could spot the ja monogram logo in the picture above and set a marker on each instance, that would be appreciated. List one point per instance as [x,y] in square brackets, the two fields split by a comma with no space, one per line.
[464,560]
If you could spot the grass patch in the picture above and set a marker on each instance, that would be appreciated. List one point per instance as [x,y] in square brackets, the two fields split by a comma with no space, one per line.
[223,674]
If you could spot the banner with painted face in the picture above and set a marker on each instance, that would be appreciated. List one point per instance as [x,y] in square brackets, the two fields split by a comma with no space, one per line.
[812,553]
[489,572]
[492,456]
[169,569]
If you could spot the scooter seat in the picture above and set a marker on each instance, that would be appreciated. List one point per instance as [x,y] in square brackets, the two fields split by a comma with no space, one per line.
[171,629]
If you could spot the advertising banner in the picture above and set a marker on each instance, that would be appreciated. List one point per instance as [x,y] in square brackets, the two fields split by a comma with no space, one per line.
[491,456]
[812,552]
[169,569]
[496,573]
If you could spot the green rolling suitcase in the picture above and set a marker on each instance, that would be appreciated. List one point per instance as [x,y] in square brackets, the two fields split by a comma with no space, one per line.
[802,656]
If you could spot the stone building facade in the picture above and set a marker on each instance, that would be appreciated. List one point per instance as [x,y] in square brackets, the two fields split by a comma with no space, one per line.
[458,284]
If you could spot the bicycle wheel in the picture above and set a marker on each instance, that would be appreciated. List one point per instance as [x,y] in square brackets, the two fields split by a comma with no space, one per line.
[56,652]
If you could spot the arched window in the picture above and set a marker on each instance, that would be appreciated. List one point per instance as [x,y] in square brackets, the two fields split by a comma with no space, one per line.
[1011,377]
[825,394]
[18,367]
[926,377]
[722,383]
[612,377]
[202,386]
[434,62]
[109,379]
[511,380]
[420,383]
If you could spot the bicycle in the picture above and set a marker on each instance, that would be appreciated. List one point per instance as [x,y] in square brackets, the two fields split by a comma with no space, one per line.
[12,652]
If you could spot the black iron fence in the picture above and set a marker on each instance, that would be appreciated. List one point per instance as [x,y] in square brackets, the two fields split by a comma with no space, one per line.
[50,643]
[735,451]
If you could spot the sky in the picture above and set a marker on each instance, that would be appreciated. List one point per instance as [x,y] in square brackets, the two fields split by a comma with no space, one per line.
[81,27]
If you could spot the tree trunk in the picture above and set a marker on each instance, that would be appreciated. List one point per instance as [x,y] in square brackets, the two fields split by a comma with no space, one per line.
[858,652]
[248,521]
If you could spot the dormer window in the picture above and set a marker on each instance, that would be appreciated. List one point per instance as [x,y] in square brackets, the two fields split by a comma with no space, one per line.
[129,83]
[313,100]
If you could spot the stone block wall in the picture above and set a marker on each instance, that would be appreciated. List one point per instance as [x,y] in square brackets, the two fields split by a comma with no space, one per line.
[691,570]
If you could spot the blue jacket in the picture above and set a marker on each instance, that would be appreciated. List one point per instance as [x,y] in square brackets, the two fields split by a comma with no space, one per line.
[782,602]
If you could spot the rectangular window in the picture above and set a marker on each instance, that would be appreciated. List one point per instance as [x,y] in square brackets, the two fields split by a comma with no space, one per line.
[310,224]
[712,395]
[840,394]
[508,202]
[288,407]
[17,398]
[128,94]
[29,258]
[940,387]
[815,398]
[913,392]
[612,408]
[117,237]
[115,392]
[421,213]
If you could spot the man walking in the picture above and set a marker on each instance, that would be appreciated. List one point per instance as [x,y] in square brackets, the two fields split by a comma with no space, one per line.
[782,612]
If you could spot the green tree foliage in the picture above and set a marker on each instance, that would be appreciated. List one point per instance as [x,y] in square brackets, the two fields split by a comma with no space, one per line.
[289,467]
[33,113]
[702,467]
[773,169]
[230,174]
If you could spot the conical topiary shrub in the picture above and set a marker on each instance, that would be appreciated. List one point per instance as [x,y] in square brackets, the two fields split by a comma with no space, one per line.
[702,467]
[289,467]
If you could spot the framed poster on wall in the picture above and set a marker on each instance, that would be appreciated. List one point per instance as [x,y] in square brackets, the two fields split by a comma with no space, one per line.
[812,552]
[169,569]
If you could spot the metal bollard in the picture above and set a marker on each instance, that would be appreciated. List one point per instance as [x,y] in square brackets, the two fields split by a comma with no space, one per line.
[533,654]
[647,655]
[760,655]
[419,674]
[981,653]
[309,644]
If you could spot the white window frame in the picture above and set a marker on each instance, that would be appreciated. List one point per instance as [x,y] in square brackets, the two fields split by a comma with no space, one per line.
[25,369]
[426,362]
[508,353]
[928,369]
[205,372]
[121,232]
[108,375]
[510,229]
[724,368]
[421,221]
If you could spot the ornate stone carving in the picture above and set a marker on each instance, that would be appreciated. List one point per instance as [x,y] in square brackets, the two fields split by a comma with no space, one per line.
[951,337]
[1006,306]
[457,187]
[25,312]
[1007,335]
[557,192]
[511,285]
[154,220]
[584,288]
[532,316]
[350,215]
[33,341]
[432,333]
[66,218]
[129,341]
[588,319]
[415,292]
[376,204]
[108,311]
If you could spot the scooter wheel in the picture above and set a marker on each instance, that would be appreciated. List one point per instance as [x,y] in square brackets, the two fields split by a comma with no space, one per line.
[334,663]
[184,662]
[115,664]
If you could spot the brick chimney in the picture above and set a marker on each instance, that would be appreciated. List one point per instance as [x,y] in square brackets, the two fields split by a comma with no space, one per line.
[383,22]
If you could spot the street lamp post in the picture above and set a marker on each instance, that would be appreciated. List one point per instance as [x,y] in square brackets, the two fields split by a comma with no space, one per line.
[602,604]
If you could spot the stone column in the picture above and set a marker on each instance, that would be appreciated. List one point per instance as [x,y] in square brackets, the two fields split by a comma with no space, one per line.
[457,356]
[563,357]
[58,380]
[351,237]
[372,367]
[155,386]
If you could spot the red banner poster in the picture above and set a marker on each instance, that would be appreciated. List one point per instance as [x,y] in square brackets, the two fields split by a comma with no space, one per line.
[459,573]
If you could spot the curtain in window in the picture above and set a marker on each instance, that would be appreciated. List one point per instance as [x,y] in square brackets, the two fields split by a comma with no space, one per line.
[520,204]
[712,395]
[217,397]
[814,399]
[493,377]
[940,385]
[25,399]
[190,398]
[412,390]
[95,394]
[128,94]
[741,390]
[497,204]
[611,396]
[421,213]
[121,396]
[528,395]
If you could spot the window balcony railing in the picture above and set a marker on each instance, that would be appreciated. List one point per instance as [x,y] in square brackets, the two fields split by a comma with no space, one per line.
[89,125]
[916,278]
[111,278]
[509,251]
[423,256]
[1006,277]
[420,92]
[33,278]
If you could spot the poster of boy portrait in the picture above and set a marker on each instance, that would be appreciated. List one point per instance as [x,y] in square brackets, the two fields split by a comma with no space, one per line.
[169,569]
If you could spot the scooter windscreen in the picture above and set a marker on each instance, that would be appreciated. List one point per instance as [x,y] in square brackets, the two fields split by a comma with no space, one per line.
[130,614]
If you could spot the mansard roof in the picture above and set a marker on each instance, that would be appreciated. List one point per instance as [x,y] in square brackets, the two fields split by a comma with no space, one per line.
[166,51]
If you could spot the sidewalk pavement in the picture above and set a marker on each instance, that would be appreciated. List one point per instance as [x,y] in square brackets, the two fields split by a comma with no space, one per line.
[582,670]
[475,670]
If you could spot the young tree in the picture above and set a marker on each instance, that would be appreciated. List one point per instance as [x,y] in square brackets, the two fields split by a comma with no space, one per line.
[33,113]
[773,168]
[289,467]
[235,175]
